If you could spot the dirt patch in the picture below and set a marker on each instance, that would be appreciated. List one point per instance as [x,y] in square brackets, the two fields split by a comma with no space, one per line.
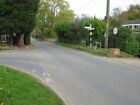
[130,61]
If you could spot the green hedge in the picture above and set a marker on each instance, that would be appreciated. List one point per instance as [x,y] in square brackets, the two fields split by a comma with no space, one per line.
[125,40]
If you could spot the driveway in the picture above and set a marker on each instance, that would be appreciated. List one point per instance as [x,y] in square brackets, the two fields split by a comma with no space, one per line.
[78,77]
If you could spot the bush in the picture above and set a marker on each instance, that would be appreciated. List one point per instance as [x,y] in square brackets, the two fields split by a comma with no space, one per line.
[132,45]
[125,40]
[48,32]
[118,41]
[138,37]
[76,32]
[61,28]
[70,32]
[98,33]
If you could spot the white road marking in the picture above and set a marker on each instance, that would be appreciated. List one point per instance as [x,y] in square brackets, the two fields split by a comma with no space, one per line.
[47,77]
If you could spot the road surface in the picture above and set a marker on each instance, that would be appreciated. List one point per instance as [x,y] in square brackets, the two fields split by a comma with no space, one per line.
[78,77]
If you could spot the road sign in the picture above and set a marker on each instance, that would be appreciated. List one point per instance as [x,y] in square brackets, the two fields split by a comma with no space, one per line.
[91,33]
[115,31]
[89,28]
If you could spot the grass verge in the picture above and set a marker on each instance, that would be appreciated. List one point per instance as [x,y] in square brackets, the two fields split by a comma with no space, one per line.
[99,51]
[5,47]
[17,88]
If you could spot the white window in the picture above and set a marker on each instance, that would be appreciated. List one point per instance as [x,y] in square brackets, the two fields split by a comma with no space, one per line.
[139,27]
[136,26]
[3,38]
[130,27]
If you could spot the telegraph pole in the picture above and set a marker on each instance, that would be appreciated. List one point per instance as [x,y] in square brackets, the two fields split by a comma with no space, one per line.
[107,23]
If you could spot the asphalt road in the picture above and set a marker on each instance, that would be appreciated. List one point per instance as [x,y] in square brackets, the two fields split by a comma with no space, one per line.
[79,78]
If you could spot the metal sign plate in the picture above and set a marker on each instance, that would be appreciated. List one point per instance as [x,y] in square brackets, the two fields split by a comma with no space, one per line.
[115,31]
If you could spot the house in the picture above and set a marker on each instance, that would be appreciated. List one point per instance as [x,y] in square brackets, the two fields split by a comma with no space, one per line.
[133,24]
[5,38]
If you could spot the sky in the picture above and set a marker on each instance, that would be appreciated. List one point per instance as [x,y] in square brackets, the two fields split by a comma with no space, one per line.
[98,7]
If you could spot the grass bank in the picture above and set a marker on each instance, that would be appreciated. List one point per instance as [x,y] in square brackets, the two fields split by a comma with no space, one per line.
[99,51]
[5,47]
[17,88]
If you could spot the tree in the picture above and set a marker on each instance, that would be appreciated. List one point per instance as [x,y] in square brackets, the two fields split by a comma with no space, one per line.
[134,12]
[50,12]
[98,33]
[119,17]
[76,32]
[18,17]
[115,19]
[5,20]
[61,28]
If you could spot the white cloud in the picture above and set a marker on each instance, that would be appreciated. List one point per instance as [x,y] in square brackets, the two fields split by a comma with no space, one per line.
[98,7]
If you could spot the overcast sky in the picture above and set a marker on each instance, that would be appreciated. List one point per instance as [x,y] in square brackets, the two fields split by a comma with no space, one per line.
[98,7]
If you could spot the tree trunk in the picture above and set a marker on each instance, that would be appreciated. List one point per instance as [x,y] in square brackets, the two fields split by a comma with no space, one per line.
[21,40]
[0,38]
[11,41]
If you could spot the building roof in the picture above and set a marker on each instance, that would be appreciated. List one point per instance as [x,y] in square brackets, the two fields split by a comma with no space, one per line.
[137,21]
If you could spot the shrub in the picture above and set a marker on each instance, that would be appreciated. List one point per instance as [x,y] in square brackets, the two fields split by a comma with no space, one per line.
[99,25]
[61,28]
[125,40]
[48,32]
[132,45]
[118,41]
[76,32]
[138,37]
[70,32]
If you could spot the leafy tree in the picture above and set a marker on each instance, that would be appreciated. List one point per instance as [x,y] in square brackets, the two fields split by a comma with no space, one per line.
[18,16]
[134,12]
[5,20]
[98,33]
[61,29]
[115,19]
[76,32]
[119,17]
[66,14]
[50,12]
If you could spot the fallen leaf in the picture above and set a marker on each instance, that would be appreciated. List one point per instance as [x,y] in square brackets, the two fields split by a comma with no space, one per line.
[1,103]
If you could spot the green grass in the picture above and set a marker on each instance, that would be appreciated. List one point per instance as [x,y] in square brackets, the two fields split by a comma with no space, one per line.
[99,51]
[17,88]
[31,46]
[5,47]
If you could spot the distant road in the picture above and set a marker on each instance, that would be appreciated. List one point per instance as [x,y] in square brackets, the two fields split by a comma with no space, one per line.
[78,77]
